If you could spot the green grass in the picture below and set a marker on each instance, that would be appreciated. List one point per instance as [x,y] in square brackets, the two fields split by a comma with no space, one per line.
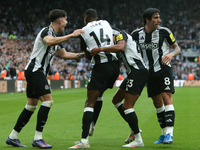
[63,127]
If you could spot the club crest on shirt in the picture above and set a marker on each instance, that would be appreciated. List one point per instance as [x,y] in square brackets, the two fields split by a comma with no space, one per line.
[155,35]
[50,33]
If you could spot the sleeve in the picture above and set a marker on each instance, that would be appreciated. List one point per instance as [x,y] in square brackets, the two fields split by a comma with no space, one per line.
[83,45]
[116,31]
[46,32]
[121,36]
[169,36]
[135,36]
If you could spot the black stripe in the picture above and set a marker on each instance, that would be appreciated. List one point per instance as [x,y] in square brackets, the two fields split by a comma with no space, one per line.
[151,61]
[149,52]
[97,59]
[139,63]
[31,65]
[43,59]
[160,43]
[48,66]
[109,56]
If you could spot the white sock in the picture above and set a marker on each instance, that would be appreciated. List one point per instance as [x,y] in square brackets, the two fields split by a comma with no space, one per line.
[164,131]
[138,138]
[38,135]
[169,130]
[13,134]
[84,141]
[118,104]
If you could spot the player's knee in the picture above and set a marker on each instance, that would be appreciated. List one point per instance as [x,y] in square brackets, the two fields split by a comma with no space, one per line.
[167,98]
[47,103]
[114,100]
[30,107]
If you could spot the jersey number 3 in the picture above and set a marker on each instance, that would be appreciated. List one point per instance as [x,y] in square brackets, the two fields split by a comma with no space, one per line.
[107,39]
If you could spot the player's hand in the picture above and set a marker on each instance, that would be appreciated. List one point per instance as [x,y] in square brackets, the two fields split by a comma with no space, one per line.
[167,59]
[77,32]
[95,51]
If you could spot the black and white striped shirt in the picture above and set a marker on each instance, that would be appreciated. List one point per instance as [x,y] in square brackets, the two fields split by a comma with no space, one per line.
[42,54]
[131,56]
[98,34]
[153,46]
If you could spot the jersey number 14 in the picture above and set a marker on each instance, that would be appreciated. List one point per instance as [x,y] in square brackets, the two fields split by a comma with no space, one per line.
[102,39]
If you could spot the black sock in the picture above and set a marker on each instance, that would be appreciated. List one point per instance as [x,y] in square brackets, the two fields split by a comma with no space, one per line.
[42,117]
[133,122]
[121,111]
[86,121]
[161,119]
[23,119]
[170,118]
[97,110]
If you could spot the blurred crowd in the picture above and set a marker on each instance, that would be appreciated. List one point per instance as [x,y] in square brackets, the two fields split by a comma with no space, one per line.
[21,20]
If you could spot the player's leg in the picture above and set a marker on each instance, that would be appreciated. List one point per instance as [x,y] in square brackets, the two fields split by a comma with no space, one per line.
[136,82]
[97,110]
[32,101]
[132,119]
[160,111]
[118,98]
[22,121]
[154,91]
[42,117]
[87,119]
[170,116]
[167,87]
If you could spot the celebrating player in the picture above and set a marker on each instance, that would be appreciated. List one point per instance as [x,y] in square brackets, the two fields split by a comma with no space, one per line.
[46,45]
[105,70]
[154,42]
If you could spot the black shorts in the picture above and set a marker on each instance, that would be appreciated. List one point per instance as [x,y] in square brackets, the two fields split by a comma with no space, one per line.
[37,84]
[103,76]
[161,81]
[137,79]
[123,84]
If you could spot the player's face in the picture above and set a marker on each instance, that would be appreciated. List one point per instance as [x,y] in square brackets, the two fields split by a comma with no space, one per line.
[155,21]
[63,23]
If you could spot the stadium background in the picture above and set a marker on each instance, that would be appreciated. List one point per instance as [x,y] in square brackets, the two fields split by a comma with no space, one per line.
[21,20]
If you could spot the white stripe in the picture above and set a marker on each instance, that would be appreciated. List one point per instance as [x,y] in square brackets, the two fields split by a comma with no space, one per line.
[128,111]
[100,99]
[169,108]
[89,109]
[118,104]
[161,109]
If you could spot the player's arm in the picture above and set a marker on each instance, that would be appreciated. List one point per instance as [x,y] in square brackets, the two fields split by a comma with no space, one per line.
[114,48]
[176,49]
[168,57]
[69,55]
[121,43]
[51,41]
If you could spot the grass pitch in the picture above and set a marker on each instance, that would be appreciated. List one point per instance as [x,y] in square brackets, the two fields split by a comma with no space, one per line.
[63,127]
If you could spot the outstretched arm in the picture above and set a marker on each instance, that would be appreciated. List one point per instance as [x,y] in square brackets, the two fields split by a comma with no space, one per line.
[51,41]
[114,48]
[69,55]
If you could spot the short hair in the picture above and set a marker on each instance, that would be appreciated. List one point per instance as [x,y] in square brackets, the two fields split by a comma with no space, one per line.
[148,13]
[90,13]
[56,13]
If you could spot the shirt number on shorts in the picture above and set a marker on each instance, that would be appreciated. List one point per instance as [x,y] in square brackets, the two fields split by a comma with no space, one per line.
[130,83]
[167,81]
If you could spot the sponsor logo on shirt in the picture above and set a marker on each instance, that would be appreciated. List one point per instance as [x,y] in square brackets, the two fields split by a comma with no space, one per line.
[149,45]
